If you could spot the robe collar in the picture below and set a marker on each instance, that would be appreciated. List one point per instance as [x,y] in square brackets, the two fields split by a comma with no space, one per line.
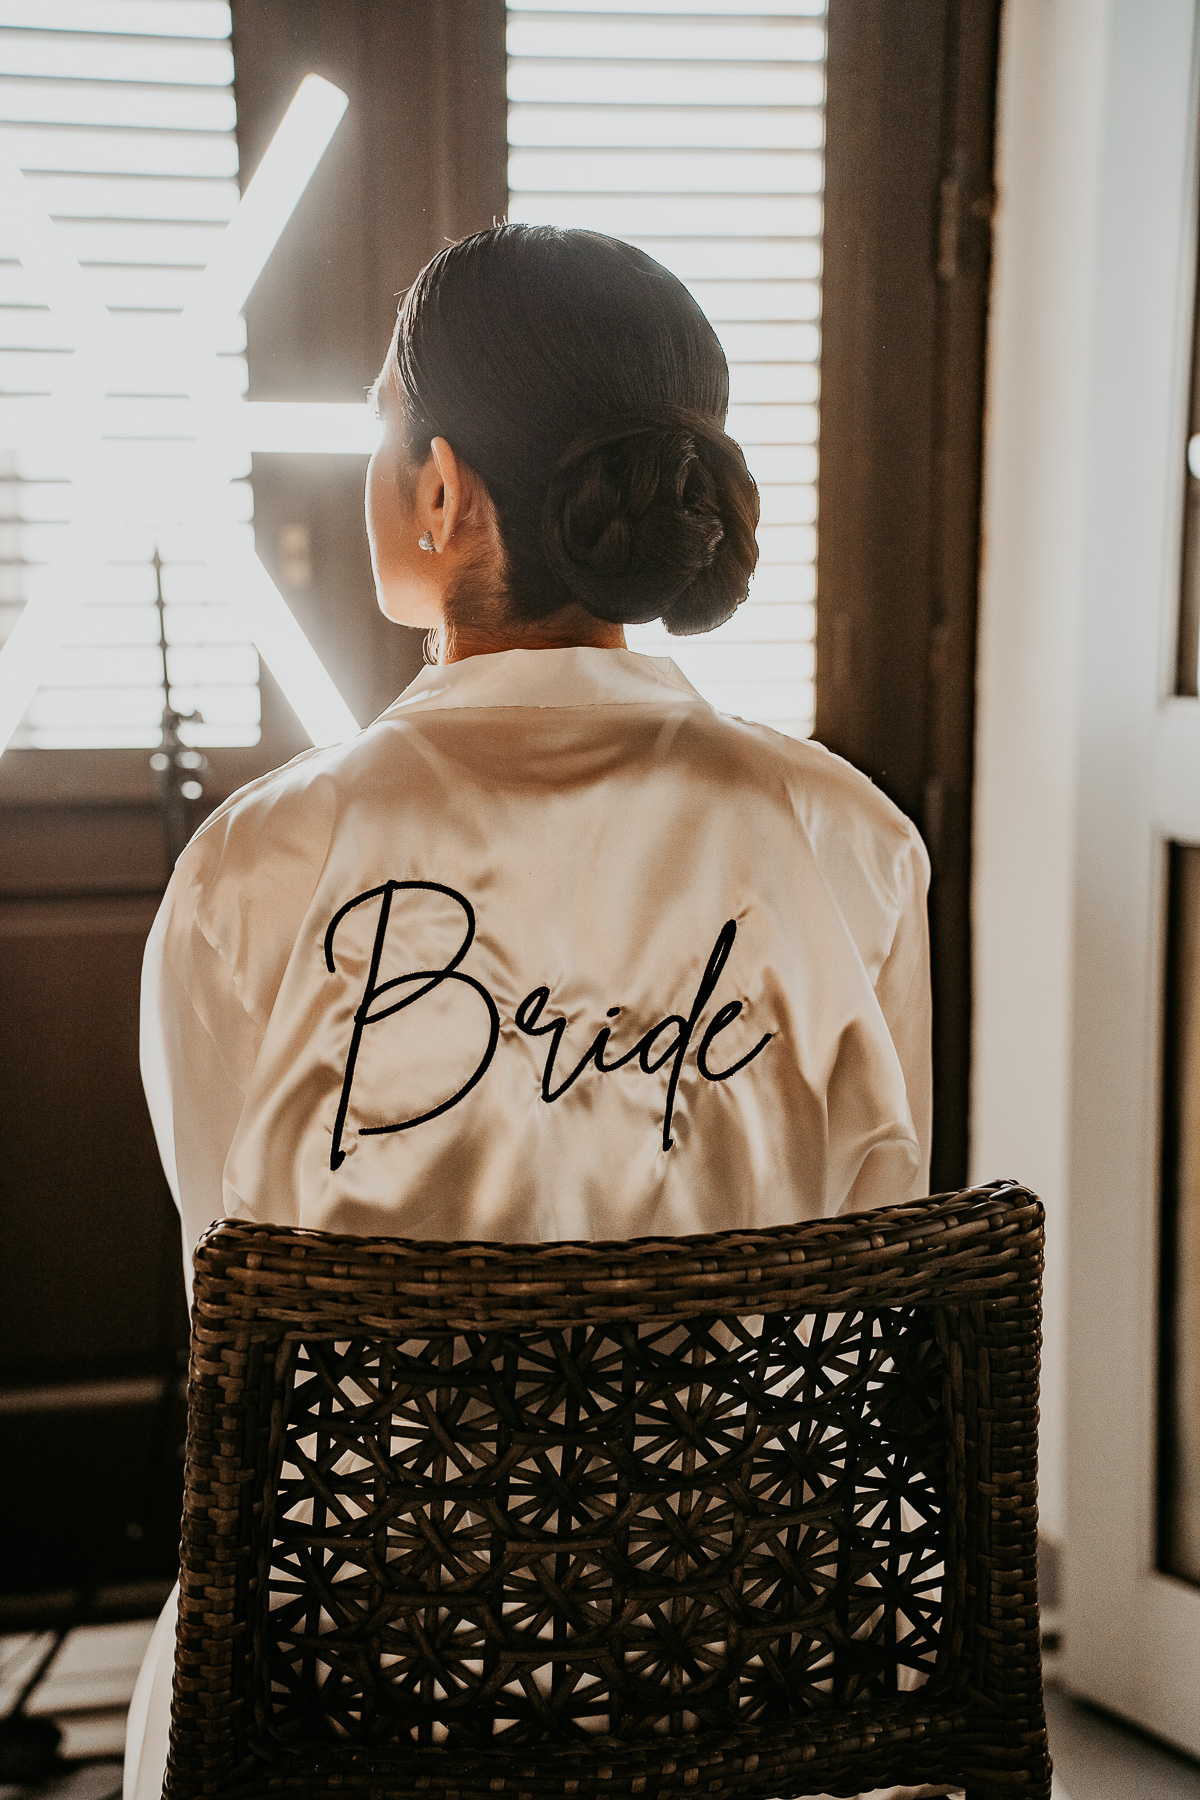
[578,676]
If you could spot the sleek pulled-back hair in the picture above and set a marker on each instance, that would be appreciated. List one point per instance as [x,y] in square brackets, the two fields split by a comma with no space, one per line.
[584,386]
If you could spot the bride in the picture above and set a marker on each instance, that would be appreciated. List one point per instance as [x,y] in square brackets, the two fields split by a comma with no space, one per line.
[552,949]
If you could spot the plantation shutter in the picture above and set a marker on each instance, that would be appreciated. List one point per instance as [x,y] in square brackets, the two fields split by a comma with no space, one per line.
[696,132]
[121,113]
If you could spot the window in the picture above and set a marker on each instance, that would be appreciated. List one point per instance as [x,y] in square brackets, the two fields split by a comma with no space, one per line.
[696,132]
[121,114]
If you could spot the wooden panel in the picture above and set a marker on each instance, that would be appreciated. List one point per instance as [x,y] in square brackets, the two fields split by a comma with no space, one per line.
[81,849]
[92,1311]
[89,1240]
[910,118]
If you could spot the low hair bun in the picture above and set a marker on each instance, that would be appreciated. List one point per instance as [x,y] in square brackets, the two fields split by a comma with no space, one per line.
[652,515]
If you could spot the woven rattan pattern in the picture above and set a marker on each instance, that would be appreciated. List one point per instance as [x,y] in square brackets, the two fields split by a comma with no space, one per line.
[491,1541]
[751,1513]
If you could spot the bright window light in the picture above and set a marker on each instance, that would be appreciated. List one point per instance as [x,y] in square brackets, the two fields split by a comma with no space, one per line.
[695,128]
[139,193]
[126,256]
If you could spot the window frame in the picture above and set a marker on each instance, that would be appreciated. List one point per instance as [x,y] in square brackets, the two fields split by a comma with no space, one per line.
[903,365]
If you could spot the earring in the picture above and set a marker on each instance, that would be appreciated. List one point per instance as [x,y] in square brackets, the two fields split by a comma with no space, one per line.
[425,542]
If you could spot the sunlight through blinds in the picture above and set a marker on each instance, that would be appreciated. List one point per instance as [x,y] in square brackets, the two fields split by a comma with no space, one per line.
[122,114]
[696,131]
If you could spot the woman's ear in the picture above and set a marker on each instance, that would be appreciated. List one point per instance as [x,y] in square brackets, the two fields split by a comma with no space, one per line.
[445,480]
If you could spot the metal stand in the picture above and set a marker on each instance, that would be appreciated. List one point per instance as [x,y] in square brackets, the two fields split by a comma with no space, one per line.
[177,766]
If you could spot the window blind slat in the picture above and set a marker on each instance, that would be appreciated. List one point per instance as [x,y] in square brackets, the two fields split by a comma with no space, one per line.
[634,38]
[138,18]
[115,197]
[678,127]
[691,215]
[125,59]
[663,84]
[657,171]
[84,103]
[787,9]
[111,152]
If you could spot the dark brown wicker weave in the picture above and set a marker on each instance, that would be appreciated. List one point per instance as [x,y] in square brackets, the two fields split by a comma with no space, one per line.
[751,1514]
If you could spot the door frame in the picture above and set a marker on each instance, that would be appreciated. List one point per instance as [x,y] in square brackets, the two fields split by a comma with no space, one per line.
[1132,1633]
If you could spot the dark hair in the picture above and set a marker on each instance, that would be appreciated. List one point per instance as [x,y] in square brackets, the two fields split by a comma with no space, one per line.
[584,386]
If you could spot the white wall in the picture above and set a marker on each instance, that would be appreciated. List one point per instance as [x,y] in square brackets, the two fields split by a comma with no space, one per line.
[1049,162]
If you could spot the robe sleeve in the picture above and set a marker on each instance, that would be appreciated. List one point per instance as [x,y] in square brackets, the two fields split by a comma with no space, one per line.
[883,1159]
[902,990]
[198,1046]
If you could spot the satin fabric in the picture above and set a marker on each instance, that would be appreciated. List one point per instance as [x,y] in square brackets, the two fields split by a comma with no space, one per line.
[551,950]
[601,827]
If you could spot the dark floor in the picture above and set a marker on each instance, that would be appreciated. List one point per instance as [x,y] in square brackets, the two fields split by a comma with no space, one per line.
[1098,1758]
[86,1781]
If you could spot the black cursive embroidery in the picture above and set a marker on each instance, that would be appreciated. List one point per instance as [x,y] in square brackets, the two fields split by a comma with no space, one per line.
[725,1015]
[431,978]
[528,1020]
[649,1053]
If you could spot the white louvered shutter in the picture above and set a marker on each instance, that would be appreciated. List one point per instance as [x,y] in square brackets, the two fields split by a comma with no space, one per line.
[122,113]
[696,131]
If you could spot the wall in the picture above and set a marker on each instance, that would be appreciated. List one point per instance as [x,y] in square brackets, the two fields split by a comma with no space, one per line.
[1052,91]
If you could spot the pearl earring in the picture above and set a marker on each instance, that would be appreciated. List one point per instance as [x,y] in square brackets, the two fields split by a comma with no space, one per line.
[425,542]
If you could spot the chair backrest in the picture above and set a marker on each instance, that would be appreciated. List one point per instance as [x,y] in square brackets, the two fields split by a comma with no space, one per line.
[751,1513]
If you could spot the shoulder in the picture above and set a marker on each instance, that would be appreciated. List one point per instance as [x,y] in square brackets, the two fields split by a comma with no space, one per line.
[869,854]
[248,875]
[284,825]
[243,885]
[288,813]
[849,822]
[838,798]
[281,791]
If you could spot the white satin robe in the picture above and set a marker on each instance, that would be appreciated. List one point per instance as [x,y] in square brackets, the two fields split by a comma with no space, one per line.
[551,950]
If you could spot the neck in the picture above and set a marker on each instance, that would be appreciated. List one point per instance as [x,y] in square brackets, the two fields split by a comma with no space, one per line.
[572,627]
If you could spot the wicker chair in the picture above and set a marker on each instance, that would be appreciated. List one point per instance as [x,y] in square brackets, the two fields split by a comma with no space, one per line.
[751,1514]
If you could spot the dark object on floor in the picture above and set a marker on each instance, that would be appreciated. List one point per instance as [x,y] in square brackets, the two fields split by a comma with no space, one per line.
[28,1750]
[750,1514]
